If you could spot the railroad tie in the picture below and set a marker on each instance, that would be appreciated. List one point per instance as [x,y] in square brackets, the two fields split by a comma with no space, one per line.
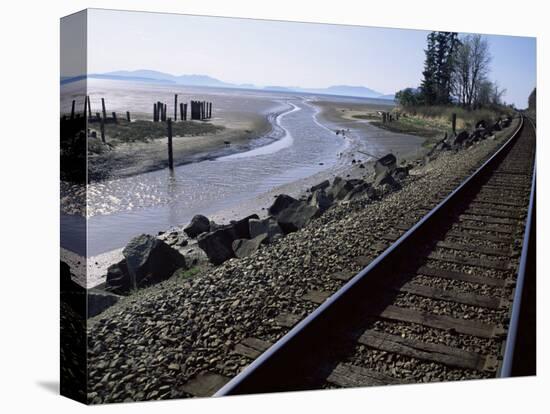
[463,277]
[464,326]
[252,347]
[346,375]
[427,351]
[205,384]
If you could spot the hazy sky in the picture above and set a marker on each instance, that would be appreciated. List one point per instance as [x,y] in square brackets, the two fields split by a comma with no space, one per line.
[284,53]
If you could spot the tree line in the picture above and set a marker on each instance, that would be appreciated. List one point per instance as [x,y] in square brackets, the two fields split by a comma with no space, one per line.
[456,70]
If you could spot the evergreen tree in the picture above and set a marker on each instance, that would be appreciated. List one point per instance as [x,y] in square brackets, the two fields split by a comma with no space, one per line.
[438,67]
[429,83]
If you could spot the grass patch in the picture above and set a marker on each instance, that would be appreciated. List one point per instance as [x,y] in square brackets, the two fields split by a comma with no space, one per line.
[371,116]
[432,122]
[184,274]
[143,131]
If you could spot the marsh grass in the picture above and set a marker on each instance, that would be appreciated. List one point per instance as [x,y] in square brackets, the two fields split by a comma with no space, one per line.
[143,131]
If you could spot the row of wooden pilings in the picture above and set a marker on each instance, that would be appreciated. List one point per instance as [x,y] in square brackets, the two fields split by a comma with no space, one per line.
[200,110]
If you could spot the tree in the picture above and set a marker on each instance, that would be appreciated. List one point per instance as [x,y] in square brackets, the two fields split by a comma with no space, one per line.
[408,97]
[436,85]
[471,68]
[429,83]
[533,100]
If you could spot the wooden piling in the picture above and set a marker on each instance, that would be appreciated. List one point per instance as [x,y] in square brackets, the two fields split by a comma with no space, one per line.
[102,129]
[453,123]
[175,107]
[103,107]
[155,113]
[72,109]
[383,117]
[128,116]
[170,154]
[181,112]
[114,118]
[185,112]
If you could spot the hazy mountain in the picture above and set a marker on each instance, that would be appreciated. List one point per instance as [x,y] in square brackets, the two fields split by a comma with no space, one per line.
[144,75]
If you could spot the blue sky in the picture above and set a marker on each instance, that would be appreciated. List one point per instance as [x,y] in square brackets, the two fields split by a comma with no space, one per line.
[285,53]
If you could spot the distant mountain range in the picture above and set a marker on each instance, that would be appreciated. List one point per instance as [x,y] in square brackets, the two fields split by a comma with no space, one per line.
[144,75]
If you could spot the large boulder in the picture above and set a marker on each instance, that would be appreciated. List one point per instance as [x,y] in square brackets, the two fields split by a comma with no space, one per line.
[99,300]
[385,164]
[267,226]
[461,138]
[245,247]
[297,216]
[339,188]
[360,190]
[118,279]
[321,186]
[320,199]
[218,244]
[199,224]
[282,202]
[241,227]
[150,260]
[386,179]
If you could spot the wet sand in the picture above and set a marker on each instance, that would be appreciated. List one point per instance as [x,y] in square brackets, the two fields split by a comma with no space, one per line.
[127,159]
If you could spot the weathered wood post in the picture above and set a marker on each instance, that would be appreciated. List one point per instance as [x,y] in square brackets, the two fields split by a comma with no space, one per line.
[72,109]
[128,116]
[185,112]
[453,123]
[170,155]
[175,107]
[209,109]
[383,117]
[102,129]
[89,106]
[114,118]
[164,110]
[181,112]
[155,113]
[103,107]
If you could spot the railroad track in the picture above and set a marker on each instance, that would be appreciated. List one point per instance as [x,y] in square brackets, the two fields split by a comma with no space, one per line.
[442,302]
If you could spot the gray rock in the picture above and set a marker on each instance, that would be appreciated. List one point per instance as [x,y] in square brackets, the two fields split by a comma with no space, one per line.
[387,163]
[339,188]
[297,216]
[281,202]
[199,224]
[267,226]
[321,186]
[386,179]
[245,247]
[320,199]
[241,226]
[400,173]
[360,190]
[461,138]
[150,260]
[118,279]
[99,300]
[218,244]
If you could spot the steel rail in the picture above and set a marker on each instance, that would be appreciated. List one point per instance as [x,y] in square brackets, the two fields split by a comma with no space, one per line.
[260,375]
[511,338]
